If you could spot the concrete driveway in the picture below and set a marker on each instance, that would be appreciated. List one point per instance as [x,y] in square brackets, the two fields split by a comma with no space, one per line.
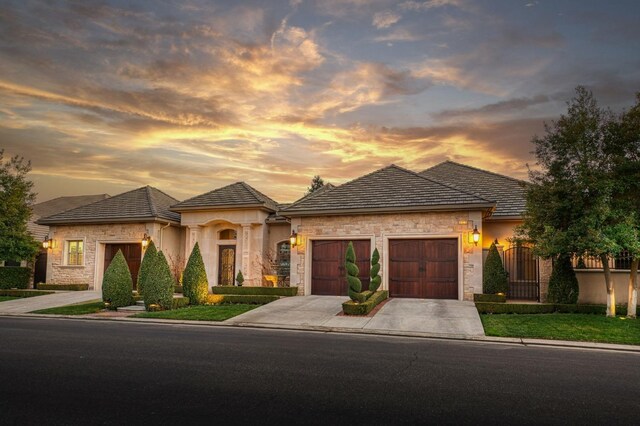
[30,304]
[445,318]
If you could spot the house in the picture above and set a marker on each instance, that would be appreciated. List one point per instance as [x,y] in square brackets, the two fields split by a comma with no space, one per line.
[432,229]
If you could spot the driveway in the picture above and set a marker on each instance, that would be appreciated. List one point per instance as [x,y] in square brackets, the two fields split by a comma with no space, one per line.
[30,304]
[445,318]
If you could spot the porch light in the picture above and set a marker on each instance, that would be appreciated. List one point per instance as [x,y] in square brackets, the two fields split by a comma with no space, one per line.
[47,243]
[293,239]
[476,235]
[145,241]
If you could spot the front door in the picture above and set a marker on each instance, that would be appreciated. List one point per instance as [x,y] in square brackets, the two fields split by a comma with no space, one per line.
[132,254]
[227,265]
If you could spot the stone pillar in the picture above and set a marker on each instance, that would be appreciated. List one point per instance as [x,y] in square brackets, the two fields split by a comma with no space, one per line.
[246,252]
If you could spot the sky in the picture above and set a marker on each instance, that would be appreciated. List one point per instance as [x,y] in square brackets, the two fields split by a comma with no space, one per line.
[188,96]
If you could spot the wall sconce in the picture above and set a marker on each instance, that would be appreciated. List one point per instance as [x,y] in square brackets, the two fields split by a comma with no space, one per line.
[475,235]
[145,241]
[47,243]
[293,239]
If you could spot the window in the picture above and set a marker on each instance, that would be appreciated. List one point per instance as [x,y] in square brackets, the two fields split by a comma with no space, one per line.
[283,259]
[75,253]
[228,234]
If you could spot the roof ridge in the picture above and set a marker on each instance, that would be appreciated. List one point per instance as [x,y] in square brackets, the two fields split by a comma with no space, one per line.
[477,169]
[152,203]
[324,188]
[163,193]
[259,194]
[206,193]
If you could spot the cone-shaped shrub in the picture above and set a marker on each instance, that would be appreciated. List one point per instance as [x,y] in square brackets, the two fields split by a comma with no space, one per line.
[117,285]
[355,285]
[149,257]
[494,277]
[194,279]
[239,278]
[376,279]
[159,285]
[563,284]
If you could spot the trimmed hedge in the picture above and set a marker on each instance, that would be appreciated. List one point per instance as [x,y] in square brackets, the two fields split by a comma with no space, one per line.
[351,308]
[491,298]
[14,277]
[494,277]
[178,289]
[69,287]
[159,284]
[271,291]
[176,303]
[24,293]
[194,278]
[146,266]
[250,299]
[544,308]
[117,286]
[563,284]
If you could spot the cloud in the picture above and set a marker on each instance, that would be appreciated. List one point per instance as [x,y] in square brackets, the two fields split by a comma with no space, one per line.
[507,107]
[431,4]
[385,19]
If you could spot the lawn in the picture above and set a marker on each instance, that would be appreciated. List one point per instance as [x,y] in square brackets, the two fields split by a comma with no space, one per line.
[200,313]
[80,309]
[580,327]
[6,298]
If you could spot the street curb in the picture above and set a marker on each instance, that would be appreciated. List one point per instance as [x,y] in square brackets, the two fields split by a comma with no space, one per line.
[321,329]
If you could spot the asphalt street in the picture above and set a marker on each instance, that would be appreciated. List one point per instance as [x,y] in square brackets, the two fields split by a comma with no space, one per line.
[101,372]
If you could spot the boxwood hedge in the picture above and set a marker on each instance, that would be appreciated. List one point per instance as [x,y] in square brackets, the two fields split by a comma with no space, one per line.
[14,277]
[68,287]
[352,308]
[247,290]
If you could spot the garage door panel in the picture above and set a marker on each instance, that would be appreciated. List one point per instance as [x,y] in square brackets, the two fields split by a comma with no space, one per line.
[328,274]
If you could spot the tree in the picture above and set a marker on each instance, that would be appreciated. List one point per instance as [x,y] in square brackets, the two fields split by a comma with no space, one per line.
[316,183]
[16,198]
[117,285]
[239,278]
[159,285]
[494,277]
[374,273]
[146,266]
[563,284]
[355,285]
[194,280]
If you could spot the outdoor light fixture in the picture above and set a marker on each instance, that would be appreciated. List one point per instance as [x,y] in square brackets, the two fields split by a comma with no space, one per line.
[47,243]
[145,241]
[476,235]
[293,239]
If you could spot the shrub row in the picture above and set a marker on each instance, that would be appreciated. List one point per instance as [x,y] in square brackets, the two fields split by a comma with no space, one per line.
[544,308]
[352,308]
[254,291]
[178,289]
[491,298]
[70,287]
[252,299]
[176,303]
[14,277]
[24,293]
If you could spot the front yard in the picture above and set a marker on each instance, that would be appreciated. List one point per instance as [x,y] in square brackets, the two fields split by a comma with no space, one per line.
[578,327]
[6,298]
[201,313]
[80,309]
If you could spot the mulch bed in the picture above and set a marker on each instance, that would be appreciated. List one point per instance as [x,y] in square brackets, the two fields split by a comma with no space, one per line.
[370,314]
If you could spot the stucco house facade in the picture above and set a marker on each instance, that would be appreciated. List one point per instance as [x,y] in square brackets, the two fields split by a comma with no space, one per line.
[432,229]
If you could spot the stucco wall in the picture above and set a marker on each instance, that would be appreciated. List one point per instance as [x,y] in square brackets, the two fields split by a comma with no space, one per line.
[500,230]
[380,228]
[592,288]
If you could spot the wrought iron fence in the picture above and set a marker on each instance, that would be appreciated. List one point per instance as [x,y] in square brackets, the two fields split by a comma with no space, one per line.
[524,273]
[621,261]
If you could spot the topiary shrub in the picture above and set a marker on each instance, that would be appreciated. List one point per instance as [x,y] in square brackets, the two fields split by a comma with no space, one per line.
[563,284]
[355,285]
[374,273]
[147,261]
[117,285]
[239,278]
[494,277]
[158,286]
[194,280]
[14,277]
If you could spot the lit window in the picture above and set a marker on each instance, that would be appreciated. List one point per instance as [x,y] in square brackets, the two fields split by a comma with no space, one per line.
[75,253]
[228,234]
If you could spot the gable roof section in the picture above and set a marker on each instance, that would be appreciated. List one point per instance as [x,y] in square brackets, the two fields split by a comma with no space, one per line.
[57,205]
[389,189]
[509,193]
[144,204]
[238,194]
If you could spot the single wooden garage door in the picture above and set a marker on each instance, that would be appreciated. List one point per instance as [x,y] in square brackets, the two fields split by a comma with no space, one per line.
[328,274]
[426,269]
[132,253]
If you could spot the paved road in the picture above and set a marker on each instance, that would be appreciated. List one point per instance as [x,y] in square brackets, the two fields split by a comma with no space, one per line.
[90,372]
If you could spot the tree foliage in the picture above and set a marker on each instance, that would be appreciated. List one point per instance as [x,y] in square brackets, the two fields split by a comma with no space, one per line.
[354,283]
[194,280]
[316,183]
[494,277]
[239,278]
[159,285]
[563,284]
[16,198]
[145,267]
[374,273]
[117,285]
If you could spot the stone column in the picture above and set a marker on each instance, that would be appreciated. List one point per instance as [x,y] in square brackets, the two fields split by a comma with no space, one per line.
[246,252]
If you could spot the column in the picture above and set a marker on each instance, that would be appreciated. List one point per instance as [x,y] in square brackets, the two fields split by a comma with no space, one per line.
[246,251]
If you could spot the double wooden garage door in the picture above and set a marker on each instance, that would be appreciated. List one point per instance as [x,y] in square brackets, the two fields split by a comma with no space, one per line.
[417,268]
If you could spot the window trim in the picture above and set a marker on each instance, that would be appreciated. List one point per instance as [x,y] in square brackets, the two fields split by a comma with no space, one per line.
[67,243]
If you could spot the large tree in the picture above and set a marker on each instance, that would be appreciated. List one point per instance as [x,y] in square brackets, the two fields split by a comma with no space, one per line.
[16,198]
[316,183]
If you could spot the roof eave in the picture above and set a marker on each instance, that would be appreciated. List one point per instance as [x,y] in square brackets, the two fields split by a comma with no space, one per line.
[94,221]
[495,218]
[407,209]
[222,207]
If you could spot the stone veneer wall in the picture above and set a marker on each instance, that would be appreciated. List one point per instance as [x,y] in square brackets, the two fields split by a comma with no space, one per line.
[393,226]
[92,235]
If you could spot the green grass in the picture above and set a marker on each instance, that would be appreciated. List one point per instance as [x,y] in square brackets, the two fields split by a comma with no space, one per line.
[200,313]
[6,298]
[80,309]
[579,327]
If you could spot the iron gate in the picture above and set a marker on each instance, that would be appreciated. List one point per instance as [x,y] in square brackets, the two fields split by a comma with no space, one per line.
[524,273]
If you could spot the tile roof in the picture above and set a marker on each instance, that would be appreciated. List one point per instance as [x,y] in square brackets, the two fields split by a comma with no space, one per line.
[142,204]
[57,205]
[509,193]
[238,194]
[389,189]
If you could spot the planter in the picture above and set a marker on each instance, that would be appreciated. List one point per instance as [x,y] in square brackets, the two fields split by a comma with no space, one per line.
[352,308]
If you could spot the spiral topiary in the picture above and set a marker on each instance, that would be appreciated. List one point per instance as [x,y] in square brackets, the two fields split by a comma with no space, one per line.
[355,285]
[376,279]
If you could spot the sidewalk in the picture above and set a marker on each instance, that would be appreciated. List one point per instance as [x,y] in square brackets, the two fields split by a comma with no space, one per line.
[30,304]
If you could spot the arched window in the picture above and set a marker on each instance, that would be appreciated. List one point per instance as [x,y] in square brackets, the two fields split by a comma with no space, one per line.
[227,234]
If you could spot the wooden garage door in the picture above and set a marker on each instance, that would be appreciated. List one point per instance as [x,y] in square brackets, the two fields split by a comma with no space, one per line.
[423,268]
[132,253]
[328,275]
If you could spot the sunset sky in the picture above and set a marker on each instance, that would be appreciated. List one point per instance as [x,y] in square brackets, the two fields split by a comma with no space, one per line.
[188,96]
